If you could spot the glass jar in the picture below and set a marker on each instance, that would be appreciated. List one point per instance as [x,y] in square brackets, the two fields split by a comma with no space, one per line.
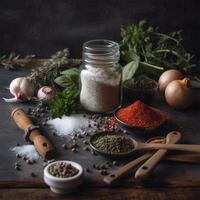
[100,76]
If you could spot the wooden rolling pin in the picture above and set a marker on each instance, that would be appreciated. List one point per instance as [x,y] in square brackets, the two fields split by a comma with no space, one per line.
[32,133]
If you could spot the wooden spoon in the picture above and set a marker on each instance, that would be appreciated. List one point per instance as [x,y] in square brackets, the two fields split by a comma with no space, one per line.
[179,147]
[126,168]
[151,163]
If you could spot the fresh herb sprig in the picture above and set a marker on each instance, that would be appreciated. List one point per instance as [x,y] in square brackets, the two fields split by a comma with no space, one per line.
[14,61]
[67,102]
[69,79]
[47,72]
[149,52]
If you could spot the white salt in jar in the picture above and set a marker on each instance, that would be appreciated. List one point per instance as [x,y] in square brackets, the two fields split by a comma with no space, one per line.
[100,76]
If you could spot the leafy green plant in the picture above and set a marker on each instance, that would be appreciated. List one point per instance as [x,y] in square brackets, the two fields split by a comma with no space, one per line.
[149,52]
[69,79]
[67,102]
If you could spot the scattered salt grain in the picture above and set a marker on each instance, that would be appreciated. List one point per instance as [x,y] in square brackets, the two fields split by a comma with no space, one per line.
[67,125]
[27,151]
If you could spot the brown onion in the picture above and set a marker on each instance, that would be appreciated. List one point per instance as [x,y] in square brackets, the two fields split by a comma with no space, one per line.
[167,77]
[178,94]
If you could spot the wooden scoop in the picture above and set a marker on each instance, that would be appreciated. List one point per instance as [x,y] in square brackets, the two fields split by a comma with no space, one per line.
[41,143]
[109,179]
[151,163]
[179,147]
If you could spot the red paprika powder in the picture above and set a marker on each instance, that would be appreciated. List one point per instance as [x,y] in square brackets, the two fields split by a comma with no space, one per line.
[141,115]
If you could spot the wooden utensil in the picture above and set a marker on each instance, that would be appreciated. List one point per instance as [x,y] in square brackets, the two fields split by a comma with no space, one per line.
[179,147]
[183,158]
[126,168]
[138,146]
[144,170]
[187,158]
[33,134]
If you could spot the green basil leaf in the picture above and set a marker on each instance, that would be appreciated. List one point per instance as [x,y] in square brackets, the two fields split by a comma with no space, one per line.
[72,71]
[69,78]
[62,81]
[130,69]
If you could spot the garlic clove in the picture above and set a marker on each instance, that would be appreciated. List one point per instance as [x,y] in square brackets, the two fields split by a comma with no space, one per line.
[26,88]
[12,100]
[22,89]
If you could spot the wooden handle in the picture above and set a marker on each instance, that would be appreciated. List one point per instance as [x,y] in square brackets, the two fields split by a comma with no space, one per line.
[151,163]
[178,147]
[126,168]
[21,119]
[187,158]
[41,143]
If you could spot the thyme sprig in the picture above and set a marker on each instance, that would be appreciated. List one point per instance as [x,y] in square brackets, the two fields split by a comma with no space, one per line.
[49,70]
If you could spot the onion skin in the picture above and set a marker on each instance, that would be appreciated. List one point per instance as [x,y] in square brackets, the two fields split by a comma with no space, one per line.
[167,77]
[178,94]
[46,94]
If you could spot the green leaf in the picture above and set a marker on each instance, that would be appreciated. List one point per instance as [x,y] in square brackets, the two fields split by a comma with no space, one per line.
[69,78]
[130,69]
[65,103]
[62,81]
[145,41]
[71,71]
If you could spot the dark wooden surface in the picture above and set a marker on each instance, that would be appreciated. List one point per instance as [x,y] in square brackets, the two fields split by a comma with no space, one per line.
[169,180]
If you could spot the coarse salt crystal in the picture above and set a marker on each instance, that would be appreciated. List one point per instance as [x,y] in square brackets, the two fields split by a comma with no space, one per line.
[67,125]
[27,151]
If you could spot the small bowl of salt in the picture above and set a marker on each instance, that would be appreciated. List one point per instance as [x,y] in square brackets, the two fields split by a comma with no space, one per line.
[63,176]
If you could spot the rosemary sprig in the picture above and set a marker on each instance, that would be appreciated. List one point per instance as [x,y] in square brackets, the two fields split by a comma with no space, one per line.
[13,61]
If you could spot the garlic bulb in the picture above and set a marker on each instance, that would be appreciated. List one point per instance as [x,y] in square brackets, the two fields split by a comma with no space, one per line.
[21,88]
[46,94]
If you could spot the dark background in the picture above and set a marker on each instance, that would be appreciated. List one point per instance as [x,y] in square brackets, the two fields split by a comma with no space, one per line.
[42,27]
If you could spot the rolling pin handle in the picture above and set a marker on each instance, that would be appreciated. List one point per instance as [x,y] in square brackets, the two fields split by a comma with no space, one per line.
[28,131]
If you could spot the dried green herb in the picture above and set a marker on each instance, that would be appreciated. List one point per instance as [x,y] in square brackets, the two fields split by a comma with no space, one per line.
[149,52]
[113,143]
[47,72]
[14,61]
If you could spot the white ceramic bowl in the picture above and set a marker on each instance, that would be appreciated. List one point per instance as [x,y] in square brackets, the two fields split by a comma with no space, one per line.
[63,185]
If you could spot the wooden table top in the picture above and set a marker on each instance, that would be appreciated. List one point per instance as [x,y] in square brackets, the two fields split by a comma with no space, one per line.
[170,180]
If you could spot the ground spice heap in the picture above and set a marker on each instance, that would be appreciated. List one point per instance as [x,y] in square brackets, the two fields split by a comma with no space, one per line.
[63,170]
[113,143]
[141,115]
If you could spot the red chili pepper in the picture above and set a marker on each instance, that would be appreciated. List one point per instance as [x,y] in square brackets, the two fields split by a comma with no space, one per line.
[139,114]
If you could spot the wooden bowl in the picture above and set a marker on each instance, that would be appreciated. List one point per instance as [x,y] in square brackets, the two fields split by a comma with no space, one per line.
[132,92]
